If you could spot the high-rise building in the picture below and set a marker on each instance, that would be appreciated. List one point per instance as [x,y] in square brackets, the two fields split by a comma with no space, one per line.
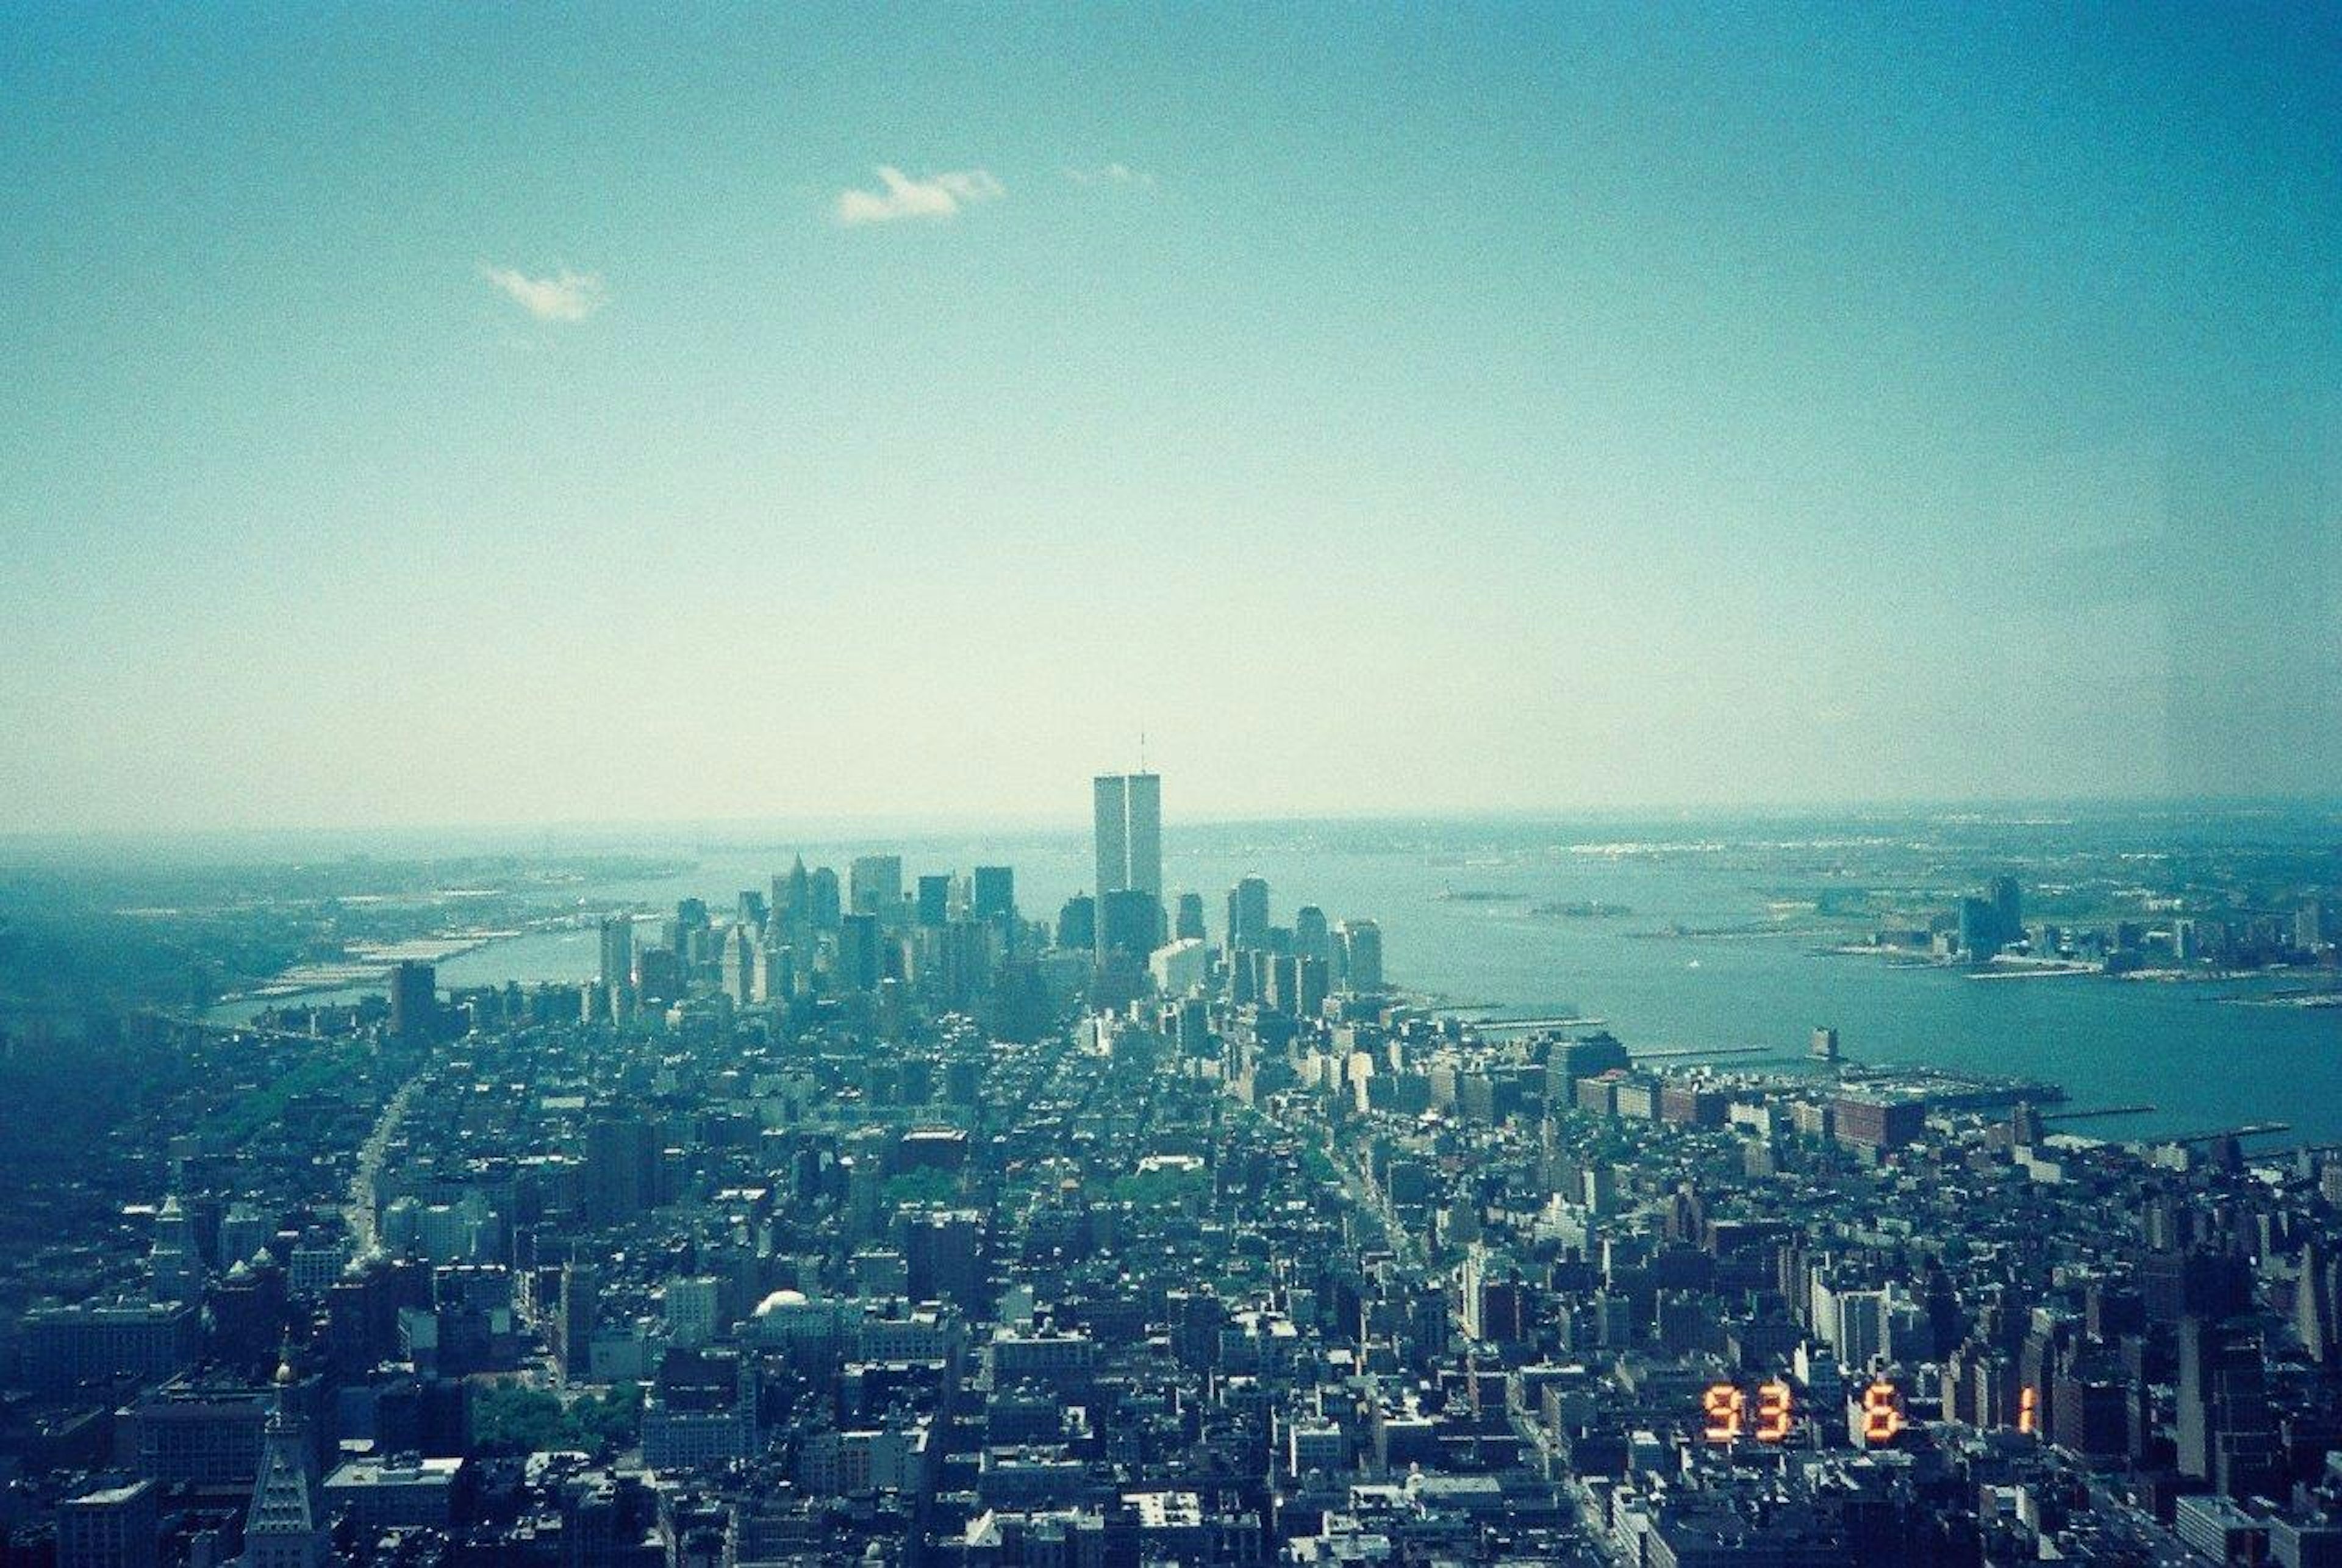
[737,959]
[1077,923]
[1127,812]
[775,978]
[995,892]
[1311,937]
[1362,955]
[2008,909]
[1189,924]
[822,888]
[793,897]
[1979,930]
[620,1174]
[414,1001]
[1129,922]
[174,1263]
[876,883]
[935,899]
[2225,1431]
[284,1527]
[617,950]
[576,1306]
[860,966]
[1248,914]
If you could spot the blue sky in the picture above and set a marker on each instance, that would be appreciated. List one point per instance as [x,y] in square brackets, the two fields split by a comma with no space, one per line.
[435,415]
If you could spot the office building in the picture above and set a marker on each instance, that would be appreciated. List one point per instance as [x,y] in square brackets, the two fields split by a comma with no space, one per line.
[1362,955]
[1248,914]
[823,899]
[1128,819]
[284,1527]
[617,950]
[102,1341]
[620,1174]
[1979,930]
[1311,937]
[876,883]
[1180,967]
[414,1001]
[2008,909]
[1129,922]
[1077,923]
[935,900]
[994,893]
[860,964]
[115,1527]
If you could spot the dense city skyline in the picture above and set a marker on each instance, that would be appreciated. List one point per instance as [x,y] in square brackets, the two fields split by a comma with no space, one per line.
[811,415]
[1203,786]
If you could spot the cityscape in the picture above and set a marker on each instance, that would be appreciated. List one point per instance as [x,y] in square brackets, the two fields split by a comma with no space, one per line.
[1151,785]
[872,1214]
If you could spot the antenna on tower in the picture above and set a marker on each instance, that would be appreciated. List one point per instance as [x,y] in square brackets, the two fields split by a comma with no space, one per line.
[1142,751]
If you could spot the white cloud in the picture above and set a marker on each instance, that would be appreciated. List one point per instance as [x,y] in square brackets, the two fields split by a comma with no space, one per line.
[901,197]
[1112,175]
[565,296]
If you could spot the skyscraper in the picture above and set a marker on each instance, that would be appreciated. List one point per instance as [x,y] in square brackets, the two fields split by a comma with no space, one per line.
[995,892]
[283,1527]
[414,1001]
[792,896]
[1248,914]
[2008,909]
[1362,955]
[1129,922]
[617,950]
[859,965]
[821,898]
[1311,938]
[1078,922]
[876,884]
[1127,812]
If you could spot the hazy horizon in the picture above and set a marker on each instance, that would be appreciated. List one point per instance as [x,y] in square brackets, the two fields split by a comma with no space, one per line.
[720,415]
[459,840]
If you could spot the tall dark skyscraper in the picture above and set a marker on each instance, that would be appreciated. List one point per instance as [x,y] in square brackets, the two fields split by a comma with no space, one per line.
[994,892]
[2221,1407]
[1078,922]
[2008,909]
[823,899]
[859,962]
[1127,812]
[935,899]
[1312,938]
[1248,914]
[1129,920]
[1361,943]
[414,1001]
[617,950]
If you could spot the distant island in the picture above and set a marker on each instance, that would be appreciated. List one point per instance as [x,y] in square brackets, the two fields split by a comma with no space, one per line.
[1582,909]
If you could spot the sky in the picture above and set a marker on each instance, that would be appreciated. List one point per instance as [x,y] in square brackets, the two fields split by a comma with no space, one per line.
[455,415]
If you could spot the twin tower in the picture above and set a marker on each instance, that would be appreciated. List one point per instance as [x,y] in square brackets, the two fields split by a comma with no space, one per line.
[1129,819]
